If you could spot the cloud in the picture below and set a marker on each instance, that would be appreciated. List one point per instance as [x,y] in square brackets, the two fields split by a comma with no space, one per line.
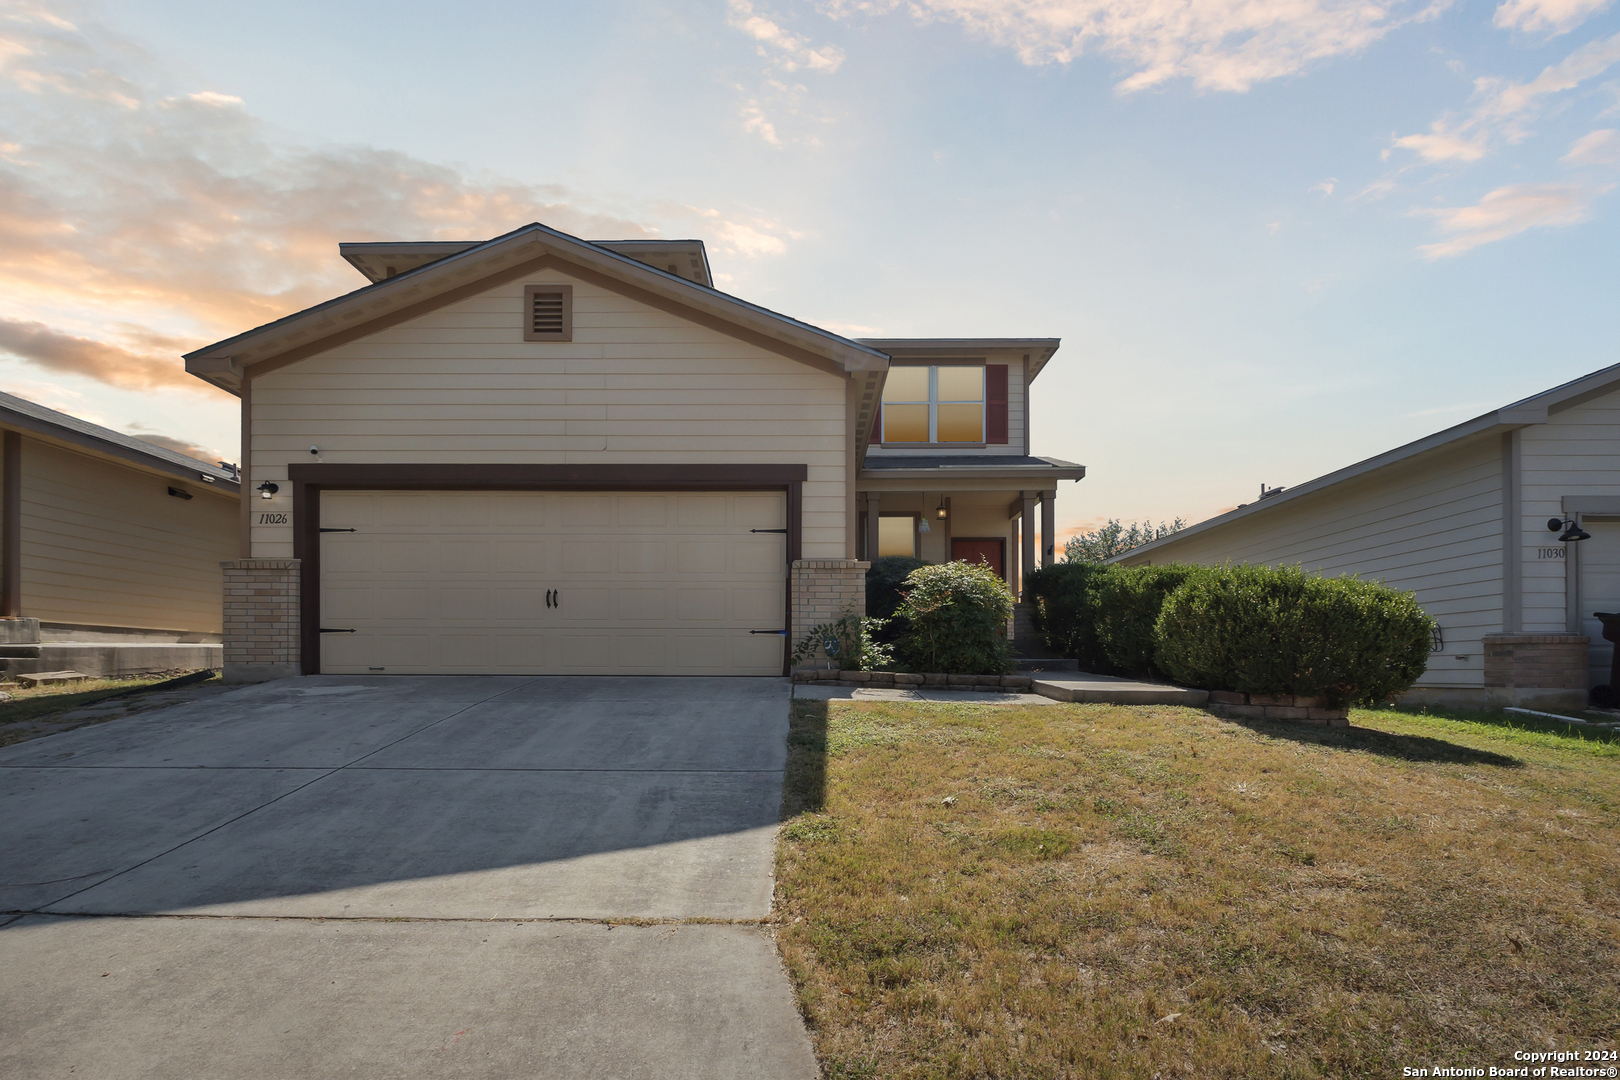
[129,369]
[787,50]
[1600,147]
[137,222]
[1502,108]
[1225,45]
[1506,212]
[1556,16]
[1326,186]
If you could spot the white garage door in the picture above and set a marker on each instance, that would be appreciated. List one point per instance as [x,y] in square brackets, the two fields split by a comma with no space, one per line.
[520,582]
[1600,590]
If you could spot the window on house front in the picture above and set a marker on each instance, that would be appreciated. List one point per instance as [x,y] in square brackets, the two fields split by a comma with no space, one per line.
[897,535]
[942,404]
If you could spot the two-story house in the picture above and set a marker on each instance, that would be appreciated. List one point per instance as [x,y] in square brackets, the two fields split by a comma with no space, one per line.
[543,455]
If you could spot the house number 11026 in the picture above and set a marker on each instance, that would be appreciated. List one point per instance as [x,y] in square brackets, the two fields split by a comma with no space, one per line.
[1549,553]
[272,519]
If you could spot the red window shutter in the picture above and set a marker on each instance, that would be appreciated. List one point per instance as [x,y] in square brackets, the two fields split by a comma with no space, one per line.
[995,403]
[877,425]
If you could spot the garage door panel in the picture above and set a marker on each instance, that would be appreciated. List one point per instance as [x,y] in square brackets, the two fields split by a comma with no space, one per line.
[755,557]
[640,605]
[641,511]
[396,602]
[700,557]
[512,557]
[641,556]
[586,557]
[525,603]
[758,512]
[457,582]
[700,512]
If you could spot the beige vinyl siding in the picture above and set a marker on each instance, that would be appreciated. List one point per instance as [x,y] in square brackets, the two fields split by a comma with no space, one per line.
[635,385]
[106,545]
[1576,452]
[1433,526]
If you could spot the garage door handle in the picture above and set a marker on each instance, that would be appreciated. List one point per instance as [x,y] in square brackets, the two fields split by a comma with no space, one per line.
[553,598]
[780,633]
[767,530]
[329,630]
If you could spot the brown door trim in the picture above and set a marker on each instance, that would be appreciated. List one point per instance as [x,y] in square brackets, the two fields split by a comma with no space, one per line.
[310,480]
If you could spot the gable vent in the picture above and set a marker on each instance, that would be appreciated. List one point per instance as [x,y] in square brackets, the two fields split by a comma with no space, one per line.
[548,313]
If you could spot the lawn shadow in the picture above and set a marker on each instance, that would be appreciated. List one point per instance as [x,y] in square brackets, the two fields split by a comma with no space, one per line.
[804,785]
[1415,748]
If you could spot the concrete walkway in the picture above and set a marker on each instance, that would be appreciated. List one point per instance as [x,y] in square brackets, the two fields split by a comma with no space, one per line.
[366,876]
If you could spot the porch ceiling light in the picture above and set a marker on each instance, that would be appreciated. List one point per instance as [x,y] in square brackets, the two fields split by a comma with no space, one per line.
[941,512]
[267,490]
[1572,534]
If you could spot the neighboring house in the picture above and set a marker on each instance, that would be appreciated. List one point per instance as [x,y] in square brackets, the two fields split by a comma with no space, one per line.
[112,548]
[1461,518]
[538,454]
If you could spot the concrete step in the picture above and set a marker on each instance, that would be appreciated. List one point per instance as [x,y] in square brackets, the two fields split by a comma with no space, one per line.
[1047,663]
[1108,690]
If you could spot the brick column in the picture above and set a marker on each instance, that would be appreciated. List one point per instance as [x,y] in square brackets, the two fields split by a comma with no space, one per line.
[822,590]
[261,619]
[1542,661]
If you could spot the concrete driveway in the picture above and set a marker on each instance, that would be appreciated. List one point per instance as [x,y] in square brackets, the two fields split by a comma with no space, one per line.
[402,877]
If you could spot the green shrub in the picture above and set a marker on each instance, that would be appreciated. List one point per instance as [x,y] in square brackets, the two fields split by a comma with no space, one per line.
[1128,599]
[855,636]
[883,583]
[1278,630]
[958,620]
[1063,606]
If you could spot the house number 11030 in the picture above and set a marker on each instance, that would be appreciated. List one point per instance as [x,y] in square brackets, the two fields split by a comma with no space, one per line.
[272,519]
[1549,553]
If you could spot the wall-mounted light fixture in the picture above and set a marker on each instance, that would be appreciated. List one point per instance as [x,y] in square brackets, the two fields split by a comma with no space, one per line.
[1571,534]
[267,490]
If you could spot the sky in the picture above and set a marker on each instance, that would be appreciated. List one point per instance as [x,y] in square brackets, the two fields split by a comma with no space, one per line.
[1275,236]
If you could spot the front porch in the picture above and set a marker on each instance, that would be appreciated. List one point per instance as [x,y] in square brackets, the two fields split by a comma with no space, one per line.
[938,508]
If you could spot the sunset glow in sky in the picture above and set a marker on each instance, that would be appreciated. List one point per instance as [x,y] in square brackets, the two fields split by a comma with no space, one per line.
[1276,236]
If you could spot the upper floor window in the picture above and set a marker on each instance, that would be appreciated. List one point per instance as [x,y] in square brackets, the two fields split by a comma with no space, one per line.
[934,404]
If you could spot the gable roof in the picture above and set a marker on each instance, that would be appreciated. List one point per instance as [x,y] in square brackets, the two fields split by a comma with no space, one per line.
[482,266]
[25,415]
[1523,413]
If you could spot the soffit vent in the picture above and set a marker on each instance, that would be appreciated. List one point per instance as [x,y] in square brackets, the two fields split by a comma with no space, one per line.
[548,313]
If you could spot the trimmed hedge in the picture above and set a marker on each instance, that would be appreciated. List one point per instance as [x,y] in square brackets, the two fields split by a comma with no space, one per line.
[1063,606]
[1128,601]
[956,620]
[1278,630]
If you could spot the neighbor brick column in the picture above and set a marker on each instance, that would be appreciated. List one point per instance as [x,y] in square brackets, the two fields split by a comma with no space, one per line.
[822,590]
[1549,661]
[261,619]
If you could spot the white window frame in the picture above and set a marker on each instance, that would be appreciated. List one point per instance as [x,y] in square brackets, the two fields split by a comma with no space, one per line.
[934,403]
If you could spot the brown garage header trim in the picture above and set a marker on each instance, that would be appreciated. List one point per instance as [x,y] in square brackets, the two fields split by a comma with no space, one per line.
[310,480]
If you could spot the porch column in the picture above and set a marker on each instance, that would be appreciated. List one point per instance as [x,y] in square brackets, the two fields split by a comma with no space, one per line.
[1027,534]
[1048,528]
[872,502]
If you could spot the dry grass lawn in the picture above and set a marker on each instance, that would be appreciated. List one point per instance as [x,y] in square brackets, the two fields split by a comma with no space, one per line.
[1100,891]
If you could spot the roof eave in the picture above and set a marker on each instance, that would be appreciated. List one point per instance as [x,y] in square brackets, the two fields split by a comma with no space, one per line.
[515,247]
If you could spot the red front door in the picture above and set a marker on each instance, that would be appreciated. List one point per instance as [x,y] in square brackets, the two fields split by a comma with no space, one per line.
[974,549]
